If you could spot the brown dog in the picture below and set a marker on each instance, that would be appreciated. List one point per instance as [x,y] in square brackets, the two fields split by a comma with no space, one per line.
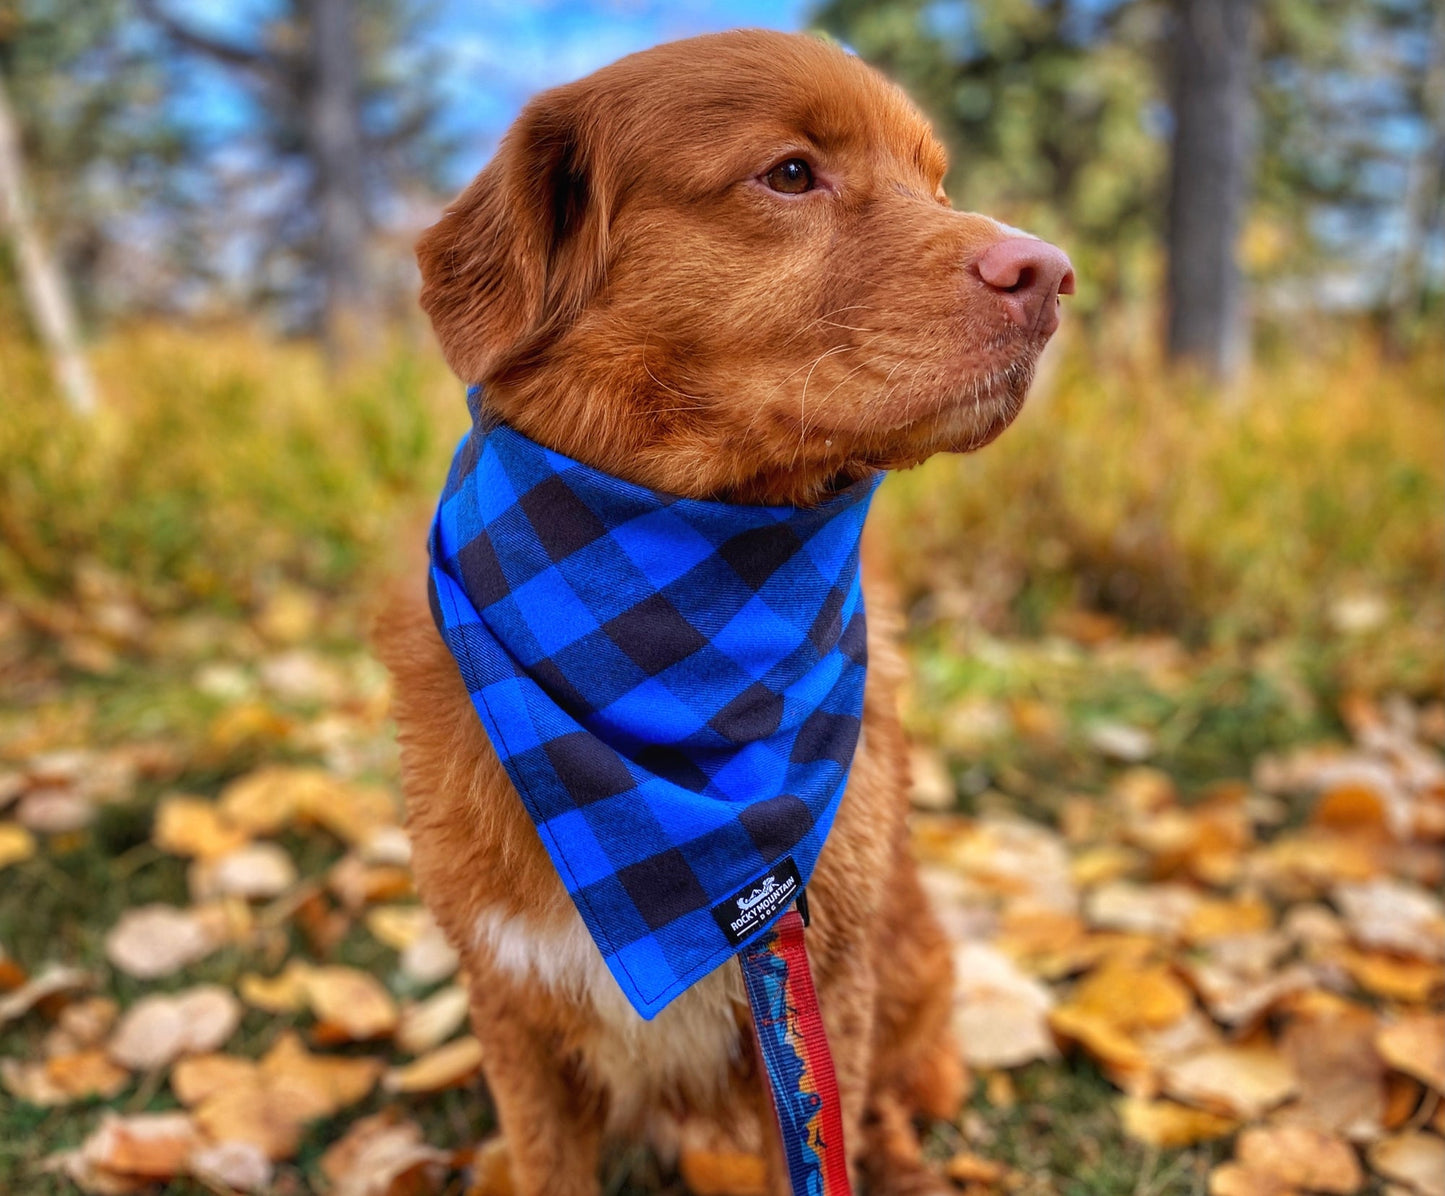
[722,268]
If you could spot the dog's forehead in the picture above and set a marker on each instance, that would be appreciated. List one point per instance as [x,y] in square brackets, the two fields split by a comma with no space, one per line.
[752,89]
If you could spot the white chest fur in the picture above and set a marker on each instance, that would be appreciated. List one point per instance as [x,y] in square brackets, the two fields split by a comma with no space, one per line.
[688,1047]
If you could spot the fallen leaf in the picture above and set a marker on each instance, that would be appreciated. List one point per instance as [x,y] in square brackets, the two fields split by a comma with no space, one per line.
[381,1155]
[153,1146]
[255,871]
[491,1169]
[151,941]
[1234,1179]
[1238,1081]
[330,1082]
[426,1024]
[1330,1043]
[1415,1159]
[158,1029]
[16,844]
[1392,976]
[445,1067]
[1000,1014]
[1394,915]
[1415,1044]
[352,1001]
[51,980]
[234,1166]
[62,1079]
[191,826]
[282,993]
[429,959]
[723,1173]
[968,1168]
[1301,1158]
[398,926]
[198,1076]
[1165,1124]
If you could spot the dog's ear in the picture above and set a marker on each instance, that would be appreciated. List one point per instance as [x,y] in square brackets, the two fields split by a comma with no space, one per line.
[517,254]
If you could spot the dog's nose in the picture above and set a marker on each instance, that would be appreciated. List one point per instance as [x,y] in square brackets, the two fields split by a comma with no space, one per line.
[1029,276]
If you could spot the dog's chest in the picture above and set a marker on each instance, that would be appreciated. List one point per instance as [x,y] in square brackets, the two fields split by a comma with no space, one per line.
[688,1049]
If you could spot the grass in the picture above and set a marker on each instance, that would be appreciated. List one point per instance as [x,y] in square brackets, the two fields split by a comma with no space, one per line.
[1132,553]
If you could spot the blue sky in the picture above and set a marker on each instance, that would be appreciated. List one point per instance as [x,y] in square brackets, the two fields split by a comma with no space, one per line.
[493,54]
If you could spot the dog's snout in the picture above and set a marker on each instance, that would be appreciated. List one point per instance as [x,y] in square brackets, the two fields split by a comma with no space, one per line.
[1029,275]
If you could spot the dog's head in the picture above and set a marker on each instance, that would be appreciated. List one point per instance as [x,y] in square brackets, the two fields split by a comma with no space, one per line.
[726,267]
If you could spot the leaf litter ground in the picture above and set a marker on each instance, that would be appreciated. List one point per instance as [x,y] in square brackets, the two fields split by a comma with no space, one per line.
[1198,934]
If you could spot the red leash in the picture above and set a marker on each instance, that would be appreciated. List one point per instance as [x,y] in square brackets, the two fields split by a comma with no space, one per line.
[801,1080]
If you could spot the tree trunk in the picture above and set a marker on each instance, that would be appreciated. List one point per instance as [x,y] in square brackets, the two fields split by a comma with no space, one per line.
[40,278]
[1209,182]
[1423,197]
[337,150]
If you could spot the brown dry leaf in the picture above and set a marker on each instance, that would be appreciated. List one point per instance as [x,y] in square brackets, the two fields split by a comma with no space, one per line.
[1234,1179]
[1392,976]
[1000,1015]
[1415,1159]
[968,1168]
[255,871]
[1307,864]
[16,844]
[1122,1058]
[158,1029]
[232,1166]
[1105,863]
[192,826]
[1167,1125]
[1238,1081]
[153,1146]
[52,980]
[1415,1045]
[380,1155]
[357,883]
[270,1118]
[85,1075]
[445,1067]
[196,1077]
[1301,1158]
[723,1173]
[80,1026]
[350,1001]
[426,1024]
[1330,1042]
[1351,808]
[1160,911]
[1394,915]
[151,941]
[261,802]
[55,811]
[329,1082]
[491,1169]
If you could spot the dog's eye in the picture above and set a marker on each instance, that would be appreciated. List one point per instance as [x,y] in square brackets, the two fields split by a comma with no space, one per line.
[792,177]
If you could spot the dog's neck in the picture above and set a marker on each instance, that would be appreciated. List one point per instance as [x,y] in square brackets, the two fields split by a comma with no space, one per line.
[642,436]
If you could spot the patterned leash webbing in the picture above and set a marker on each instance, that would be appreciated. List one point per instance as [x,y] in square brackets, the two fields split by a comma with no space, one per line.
[801,1081]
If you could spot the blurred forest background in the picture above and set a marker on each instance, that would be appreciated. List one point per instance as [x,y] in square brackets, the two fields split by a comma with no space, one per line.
[1205,569]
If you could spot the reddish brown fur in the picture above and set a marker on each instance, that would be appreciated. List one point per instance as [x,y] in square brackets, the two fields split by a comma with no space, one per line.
[631,294]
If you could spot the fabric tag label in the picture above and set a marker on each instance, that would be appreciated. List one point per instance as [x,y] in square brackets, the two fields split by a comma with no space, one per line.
[756,902]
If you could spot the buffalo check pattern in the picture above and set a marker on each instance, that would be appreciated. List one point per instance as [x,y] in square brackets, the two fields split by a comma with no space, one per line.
[674,686]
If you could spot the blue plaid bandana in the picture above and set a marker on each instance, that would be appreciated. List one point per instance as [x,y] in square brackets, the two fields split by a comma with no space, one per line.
[674,686]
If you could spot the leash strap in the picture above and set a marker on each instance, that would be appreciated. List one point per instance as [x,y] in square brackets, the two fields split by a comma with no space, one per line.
[801,1080]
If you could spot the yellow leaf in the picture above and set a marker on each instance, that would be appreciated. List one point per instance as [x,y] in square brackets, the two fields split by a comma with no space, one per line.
[16,844]
[326,1082]
[282,993]
[191,826]
[398,926]
[1392,976]
[195,1078]
[351,1001]
[152,1146]
[1234,1179]
[1133,998]
[84,1075]
[1415,1045]
[426,1024]
[1165,1124]
[723,1173]
[445,1067]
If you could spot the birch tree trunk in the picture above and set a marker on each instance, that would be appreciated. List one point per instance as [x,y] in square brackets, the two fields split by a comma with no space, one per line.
[1209,182]
[40,278]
